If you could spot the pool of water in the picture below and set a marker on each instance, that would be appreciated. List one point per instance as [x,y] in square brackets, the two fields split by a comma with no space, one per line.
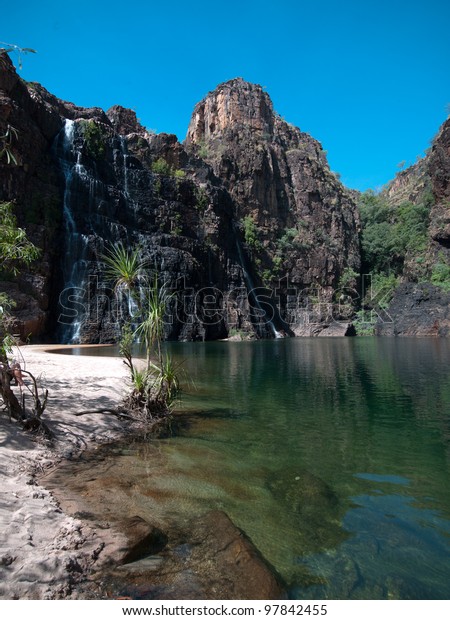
[333,455]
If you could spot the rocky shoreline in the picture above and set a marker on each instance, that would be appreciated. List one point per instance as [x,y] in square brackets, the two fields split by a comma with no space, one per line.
[50,550]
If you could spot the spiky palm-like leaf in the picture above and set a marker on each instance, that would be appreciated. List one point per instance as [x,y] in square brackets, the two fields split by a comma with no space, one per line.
[151,329]
[125,266]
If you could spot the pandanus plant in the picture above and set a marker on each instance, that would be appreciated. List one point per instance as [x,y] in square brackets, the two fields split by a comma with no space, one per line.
[155,386]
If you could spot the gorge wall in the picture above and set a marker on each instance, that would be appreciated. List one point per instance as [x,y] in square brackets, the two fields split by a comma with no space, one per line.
[421,303]
[245,224]
[300,224]
[245,240]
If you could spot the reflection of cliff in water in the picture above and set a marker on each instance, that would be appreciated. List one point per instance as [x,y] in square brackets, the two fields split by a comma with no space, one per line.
[331,455]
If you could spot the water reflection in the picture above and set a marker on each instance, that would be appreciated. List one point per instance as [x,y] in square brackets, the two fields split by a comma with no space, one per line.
[332,454]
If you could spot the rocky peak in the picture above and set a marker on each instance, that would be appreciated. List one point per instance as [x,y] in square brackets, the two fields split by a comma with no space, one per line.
[287,203]
[408,184]
[124,121]
[231,107]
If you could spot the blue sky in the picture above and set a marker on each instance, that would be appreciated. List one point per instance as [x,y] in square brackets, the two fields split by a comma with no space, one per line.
[369,79]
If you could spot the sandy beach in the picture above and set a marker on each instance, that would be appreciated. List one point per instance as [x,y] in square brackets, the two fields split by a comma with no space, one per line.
[44,552]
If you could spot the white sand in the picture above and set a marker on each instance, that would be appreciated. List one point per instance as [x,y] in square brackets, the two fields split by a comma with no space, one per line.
[43,552]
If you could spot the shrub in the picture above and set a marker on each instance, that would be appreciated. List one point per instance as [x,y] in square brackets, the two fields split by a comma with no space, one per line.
[440,275]
[94,138]
[160,166]
[201,198]
[251,233]
[389,233]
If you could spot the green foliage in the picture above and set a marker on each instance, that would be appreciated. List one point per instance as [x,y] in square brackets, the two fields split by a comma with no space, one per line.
[94,137]
[236,333]
[10,48]
[161,166]
[347,278]
[6,141]
[202,150]
[381,290]
[7,342]
[126,341]
[390,232]
[440,275]
[251,234]
[124,266]
[140,378]
[166,380]
[269,275]
[157,186]
[15,248]
[201,199]
[289,241]
[151,328]
[175,224]
[364,323]
[286,240]
[155,386]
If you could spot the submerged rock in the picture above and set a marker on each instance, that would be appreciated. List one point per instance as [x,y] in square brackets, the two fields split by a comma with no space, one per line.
[143,539]
[313,504]
[213,560]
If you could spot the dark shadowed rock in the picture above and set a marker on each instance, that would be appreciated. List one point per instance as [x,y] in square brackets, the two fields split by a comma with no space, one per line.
[305,222]
[90,179]
[313,504]
[417,310]
[143,539]
[213,560]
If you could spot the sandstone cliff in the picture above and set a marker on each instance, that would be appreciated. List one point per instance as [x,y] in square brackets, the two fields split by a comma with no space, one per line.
[299,223]
[420,305]
[249,203]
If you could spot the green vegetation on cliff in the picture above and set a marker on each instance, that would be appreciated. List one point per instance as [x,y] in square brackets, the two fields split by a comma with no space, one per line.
[95,138]
[390,233]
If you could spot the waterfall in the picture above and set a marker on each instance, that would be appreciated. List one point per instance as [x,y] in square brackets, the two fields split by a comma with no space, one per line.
[132,306]
[74,263]
[251,287]
[124,152]
[129,202]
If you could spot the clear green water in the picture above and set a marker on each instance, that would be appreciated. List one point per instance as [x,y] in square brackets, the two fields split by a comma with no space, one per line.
[333,455]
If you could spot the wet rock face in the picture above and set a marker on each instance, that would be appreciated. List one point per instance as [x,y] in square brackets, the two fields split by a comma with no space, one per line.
[84,181]
[87,179]
[33,186]
[304,221]
[417,310]
[143,539]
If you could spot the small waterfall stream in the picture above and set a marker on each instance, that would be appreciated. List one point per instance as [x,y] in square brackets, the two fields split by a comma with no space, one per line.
[251,288]
[90,208]
[74,263]
[132,305]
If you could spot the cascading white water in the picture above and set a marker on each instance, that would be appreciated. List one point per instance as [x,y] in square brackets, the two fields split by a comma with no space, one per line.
[251,288]
[74,264]
[133,306]
[130,203]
